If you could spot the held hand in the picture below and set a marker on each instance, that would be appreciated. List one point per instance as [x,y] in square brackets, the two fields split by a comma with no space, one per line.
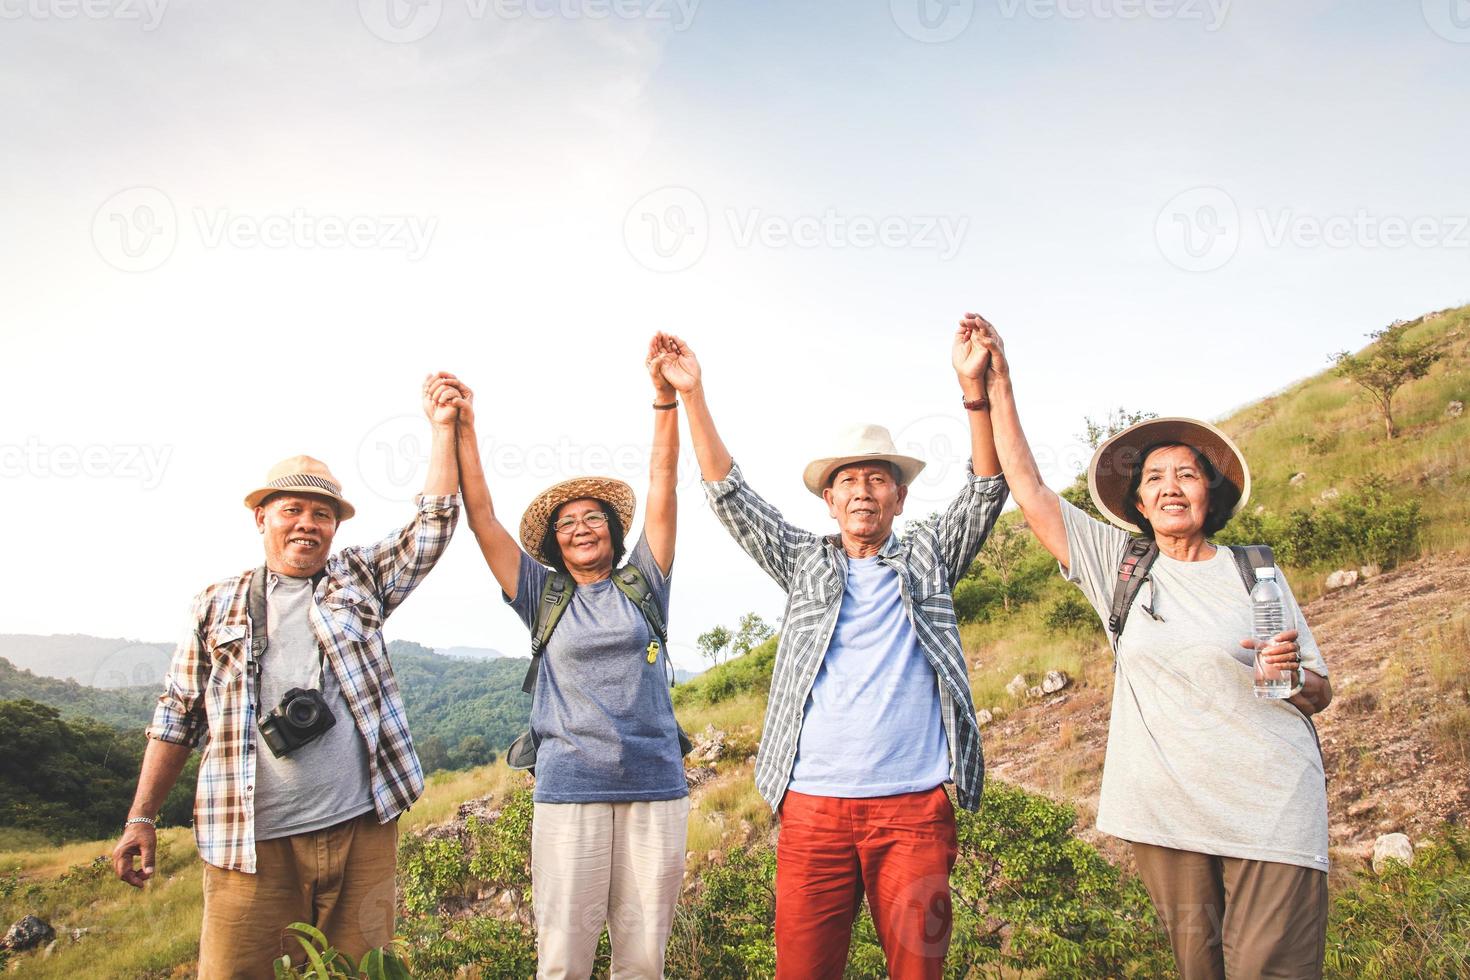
[970,356]
[459,395]
[663,390]
[439,411]
[999,368]
[681,368]
[138,840]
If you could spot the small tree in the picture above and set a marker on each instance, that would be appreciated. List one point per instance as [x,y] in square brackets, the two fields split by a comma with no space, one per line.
[752,633]
[1386,365]
[1114,422]
[1002,554]
[714,644]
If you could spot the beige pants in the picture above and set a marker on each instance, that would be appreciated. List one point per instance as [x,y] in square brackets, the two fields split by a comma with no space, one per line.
[1229,917]
[339,879]
[614,863]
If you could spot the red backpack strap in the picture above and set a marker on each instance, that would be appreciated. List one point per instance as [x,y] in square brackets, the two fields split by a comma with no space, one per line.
[1132,571]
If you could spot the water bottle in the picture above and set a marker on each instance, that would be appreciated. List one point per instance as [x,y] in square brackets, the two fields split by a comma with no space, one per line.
[1268,607]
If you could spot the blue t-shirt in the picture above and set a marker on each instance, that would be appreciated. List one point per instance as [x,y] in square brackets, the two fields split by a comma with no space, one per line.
[602,712]
[872,724]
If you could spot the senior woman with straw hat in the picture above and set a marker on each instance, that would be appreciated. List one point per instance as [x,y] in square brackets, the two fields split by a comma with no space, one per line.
[1221,793]
[611,801]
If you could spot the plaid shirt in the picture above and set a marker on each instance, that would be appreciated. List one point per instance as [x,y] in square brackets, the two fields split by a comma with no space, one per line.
[211,687]
[812,569]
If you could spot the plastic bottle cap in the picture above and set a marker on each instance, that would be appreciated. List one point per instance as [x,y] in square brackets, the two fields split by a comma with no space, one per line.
[1264,573]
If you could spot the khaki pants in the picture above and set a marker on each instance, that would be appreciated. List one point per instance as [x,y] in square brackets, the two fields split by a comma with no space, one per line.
[339,879]
[1229,917]
[614,863]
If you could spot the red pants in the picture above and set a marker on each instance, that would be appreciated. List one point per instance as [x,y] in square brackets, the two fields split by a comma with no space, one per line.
[898,850]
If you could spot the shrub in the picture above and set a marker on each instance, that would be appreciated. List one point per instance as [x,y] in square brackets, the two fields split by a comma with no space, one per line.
[1409,921]
[726,932]
[430,869]
[503,847]
[1366,525]
[1070,612]
[444,948]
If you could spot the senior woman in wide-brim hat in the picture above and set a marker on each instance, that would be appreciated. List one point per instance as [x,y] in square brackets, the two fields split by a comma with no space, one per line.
[1221,793]
[611,801]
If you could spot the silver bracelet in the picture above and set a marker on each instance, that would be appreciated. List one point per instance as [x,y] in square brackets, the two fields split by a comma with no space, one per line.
[150,821]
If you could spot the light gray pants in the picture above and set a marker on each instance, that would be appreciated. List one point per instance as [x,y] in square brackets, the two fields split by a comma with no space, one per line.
[615,863]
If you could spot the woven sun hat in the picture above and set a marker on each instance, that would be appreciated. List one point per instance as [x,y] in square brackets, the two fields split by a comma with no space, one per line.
[860,444]
[1112,465]
[533,524]
[301,474]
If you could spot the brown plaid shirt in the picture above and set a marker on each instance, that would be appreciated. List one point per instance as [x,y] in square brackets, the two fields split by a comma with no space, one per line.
[211,687]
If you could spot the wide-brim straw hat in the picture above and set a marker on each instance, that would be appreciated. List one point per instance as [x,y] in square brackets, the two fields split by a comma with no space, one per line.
[301,474]
[616,493]
[860,444]
[1112,465]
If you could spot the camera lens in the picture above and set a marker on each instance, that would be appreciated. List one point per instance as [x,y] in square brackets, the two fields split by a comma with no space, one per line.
[302,712]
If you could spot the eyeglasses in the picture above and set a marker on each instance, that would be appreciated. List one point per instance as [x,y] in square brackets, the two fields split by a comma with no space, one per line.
[594,519]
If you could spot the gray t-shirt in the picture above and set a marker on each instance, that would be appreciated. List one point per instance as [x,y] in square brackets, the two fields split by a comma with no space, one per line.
[1195,760]
[325,781]
[602,711]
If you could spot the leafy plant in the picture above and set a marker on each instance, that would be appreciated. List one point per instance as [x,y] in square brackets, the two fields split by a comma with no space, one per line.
[503,846]
[1368,524]
[325,962]
[1070,612]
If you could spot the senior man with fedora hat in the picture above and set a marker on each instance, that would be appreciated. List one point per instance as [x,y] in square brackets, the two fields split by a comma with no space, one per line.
[870,712]
[308,762]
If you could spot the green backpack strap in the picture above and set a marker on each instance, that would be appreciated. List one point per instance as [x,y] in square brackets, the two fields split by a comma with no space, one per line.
[631,583]
[556,595]
[1248,558]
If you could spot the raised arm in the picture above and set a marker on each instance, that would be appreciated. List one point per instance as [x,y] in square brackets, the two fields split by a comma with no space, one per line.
[755,525]
[971,358]
[683,372]
[1041,507]
[500,549]
[660,524]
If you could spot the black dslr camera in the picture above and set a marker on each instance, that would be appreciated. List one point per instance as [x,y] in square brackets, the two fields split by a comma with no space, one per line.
[300,718]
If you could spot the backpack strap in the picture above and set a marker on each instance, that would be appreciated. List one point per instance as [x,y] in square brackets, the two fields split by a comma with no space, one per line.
[255,606]
[1132,572]
[556,595]
[631,583]
[1248,558]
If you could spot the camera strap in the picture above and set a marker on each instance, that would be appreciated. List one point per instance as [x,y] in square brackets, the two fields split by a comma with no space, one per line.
[255,607]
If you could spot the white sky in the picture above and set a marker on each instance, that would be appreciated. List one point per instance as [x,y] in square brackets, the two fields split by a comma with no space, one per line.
[503,177]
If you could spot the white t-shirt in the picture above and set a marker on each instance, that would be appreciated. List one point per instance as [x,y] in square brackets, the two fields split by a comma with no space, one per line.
[1195,760]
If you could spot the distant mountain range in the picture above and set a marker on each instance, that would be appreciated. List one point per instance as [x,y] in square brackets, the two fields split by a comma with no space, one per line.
[90,660]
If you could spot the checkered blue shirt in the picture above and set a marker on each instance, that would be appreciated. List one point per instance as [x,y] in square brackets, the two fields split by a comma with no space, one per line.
[211,688]
[930,558]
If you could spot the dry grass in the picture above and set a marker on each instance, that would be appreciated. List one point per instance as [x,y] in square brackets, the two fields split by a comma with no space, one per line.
[445,791]
[1447,654]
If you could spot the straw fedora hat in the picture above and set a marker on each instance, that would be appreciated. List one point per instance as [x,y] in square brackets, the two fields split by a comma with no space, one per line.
[301,474]
[533,523]
[1112,465]
[860,444]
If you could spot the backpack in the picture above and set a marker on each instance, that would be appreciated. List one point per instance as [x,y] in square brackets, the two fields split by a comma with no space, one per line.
[1139,558]
[556,595]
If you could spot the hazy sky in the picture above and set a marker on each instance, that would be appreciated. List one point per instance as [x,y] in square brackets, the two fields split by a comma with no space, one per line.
[236,232]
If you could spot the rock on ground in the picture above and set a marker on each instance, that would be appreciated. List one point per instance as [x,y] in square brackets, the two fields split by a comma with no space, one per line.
[1392,847]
